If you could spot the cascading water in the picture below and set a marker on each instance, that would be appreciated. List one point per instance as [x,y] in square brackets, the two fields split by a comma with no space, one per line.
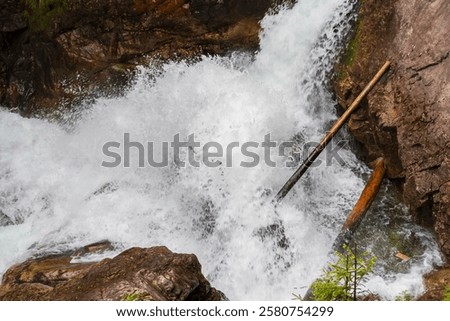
[55,192]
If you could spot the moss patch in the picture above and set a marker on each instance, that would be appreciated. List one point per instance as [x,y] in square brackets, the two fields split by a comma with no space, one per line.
[373,33]
[40,13]
[349,55]
[134,296]
[353,46]
[447,293]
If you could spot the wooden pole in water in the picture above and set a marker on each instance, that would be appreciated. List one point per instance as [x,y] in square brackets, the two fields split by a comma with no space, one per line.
[362,205]
[333,131]
[359,211]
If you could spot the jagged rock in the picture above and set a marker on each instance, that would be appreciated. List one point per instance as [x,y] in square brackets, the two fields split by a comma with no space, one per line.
[97,247]
[147,274]
[25,292]
[5,220]
[91,45]
[436,283]
[406,118]
[48,271]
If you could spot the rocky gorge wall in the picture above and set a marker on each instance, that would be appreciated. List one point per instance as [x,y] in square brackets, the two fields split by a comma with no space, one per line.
[62,51]
[406,119]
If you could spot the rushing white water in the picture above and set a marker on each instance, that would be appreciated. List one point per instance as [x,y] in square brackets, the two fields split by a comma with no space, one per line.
[53,187]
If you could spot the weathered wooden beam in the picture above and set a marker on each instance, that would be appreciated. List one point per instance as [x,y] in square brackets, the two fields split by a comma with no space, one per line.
[362,205]
[333,131]
[358,212]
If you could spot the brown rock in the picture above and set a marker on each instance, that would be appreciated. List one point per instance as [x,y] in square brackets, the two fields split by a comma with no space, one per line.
[144,274]
[25,292]
[436,283]
[406,118]
[97,247]
[47,271]
[94,44]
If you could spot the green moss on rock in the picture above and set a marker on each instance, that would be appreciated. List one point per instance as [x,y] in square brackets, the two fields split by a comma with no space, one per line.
[40,13]
[353,46]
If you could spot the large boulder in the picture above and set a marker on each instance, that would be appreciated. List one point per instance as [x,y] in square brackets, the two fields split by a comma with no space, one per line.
[406,118]
[155,274]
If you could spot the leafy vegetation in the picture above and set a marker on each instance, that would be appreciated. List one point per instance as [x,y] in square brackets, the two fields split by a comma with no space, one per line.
[134,296]
[342,280]
[447,293]
[404,296]
[41,12]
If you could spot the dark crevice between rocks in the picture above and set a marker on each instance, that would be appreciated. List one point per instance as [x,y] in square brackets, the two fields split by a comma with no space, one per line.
[424,213]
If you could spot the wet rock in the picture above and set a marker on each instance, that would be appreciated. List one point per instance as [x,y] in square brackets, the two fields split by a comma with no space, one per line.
[436,284]
[371,297]
[92,46]
[25,292]
[406,118]
[97,247]
[48,271]
[145,274]
[5,220]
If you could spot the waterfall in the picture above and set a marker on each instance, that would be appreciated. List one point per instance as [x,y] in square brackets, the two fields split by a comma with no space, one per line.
[55,195]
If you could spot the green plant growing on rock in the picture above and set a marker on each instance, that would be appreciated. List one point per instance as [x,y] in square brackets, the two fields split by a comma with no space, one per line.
[341,281]
[447,293]
[134,296]
[353,46]
[404,296]
[350,52]
[40,13]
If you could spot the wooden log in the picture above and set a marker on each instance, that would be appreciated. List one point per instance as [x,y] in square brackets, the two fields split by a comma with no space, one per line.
[362,205]
[358,212]
[333,131]
[402,257]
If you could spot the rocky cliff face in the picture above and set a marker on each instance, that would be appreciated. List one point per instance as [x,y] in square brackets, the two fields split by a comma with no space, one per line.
[64,50]
[153,274]
[406,119]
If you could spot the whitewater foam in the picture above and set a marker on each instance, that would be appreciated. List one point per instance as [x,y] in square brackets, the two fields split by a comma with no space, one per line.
[53,187]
